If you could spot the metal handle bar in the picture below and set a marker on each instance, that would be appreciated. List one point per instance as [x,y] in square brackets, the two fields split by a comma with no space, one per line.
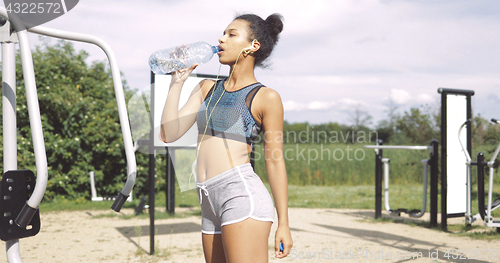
[120,100]
[398,147]
[491,163]
[386,161]
[497,151]
[467,155]
[489,219]
[425,162]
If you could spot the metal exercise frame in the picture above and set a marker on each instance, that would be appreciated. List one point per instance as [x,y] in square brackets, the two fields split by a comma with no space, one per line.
[484,212]
[120,101]
[9,37]
[412,213]
[382,164]
[10,123]
[456,107]
[469,218]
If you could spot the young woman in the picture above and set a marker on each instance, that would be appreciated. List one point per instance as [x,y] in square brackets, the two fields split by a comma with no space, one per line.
[237,209]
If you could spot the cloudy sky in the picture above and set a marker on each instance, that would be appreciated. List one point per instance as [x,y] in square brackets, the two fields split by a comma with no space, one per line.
[333,56]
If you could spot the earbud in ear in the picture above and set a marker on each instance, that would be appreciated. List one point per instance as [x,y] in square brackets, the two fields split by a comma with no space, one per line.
[247,50]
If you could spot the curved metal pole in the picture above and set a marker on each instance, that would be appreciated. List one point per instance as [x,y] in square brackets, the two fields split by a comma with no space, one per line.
[488,218]
[468,210]
[398,147]
[120,100]
[386,161]
[469,159]
[29,209]
[425,162]
[9,127]
[469,218]
[34,114]
[491,164]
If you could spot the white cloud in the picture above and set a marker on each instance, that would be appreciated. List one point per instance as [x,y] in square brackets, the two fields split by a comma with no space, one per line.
[344,104]
[426,98]
[320,105]
[351,102]
[403,97]
[400,96]
[293,106]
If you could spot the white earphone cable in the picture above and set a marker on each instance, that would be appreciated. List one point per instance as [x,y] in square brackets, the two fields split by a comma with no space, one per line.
[208,104]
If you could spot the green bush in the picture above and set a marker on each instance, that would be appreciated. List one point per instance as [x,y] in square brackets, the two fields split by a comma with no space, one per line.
[80,123]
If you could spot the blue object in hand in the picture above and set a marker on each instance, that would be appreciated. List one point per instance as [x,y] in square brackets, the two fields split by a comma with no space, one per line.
[281,247]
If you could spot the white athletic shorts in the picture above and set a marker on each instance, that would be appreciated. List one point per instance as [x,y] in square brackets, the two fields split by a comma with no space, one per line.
[233,196]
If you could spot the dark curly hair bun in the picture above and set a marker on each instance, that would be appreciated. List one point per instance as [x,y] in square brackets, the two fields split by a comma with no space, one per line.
[275,21]
[266,32]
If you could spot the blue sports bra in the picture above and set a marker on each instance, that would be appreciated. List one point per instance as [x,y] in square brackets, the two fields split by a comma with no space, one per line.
[232,118]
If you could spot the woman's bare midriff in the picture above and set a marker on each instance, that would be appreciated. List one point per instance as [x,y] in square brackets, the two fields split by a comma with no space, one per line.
[214,158]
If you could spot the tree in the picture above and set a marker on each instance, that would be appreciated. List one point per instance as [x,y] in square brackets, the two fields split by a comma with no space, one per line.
[79,119]
[360,118]
[419,125]
[387,128]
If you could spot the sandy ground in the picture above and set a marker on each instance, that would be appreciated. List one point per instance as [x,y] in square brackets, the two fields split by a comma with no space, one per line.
[320,235]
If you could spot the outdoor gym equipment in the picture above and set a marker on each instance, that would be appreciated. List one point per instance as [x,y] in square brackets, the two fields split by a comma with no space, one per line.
[456,108]
[120,101]
[93,191]
[484,212]
[16,210]
[380,161]
[19,215]
[469,218]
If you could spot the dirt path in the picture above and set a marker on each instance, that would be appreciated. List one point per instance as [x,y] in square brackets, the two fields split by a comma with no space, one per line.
[320,235]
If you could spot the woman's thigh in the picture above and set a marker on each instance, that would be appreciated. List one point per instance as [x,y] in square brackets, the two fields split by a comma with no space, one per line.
[213,248]
[246,241]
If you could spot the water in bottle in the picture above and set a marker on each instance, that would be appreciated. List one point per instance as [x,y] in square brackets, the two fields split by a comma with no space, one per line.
[172,59]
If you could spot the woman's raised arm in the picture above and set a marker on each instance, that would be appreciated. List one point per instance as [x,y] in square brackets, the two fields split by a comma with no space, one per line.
[175,122]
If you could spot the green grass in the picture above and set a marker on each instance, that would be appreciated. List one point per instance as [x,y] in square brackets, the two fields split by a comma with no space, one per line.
[184,199]
[356,197]
[359,197]
[342,164]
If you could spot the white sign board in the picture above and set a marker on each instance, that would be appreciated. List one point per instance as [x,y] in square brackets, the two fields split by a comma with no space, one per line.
[181,150]
[456,114]
[162,84]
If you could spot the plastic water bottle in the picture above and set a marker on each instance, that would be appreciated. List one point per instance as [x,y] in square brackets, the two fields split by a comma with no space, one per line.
[175,58]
